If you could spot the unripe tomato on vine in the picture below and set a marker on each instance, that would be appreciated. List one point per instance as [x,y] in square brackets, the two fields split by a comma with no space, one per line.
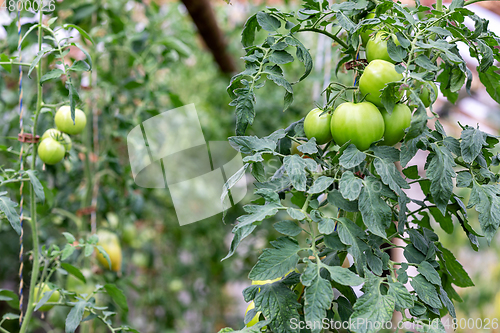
[395,124]
[318,126]
[360,123]
[375,77]
[59,136]
[53,298]
[65,124]
[110,243]
[51,151]
[376,48]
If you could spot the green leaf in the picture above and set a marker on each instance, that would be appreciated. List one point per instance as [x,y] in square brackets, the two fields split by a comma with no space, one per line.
[252,144]
[105,254]
[280,81]
[44,299]
[53,74]
[350,186]
[295,167]
[318,296]
[440,172]
[309,147]
[335,198]
[351,157]
[73,98]
[67,251]
[288,228]
[89,59]
[37,186]
[345,22]
[281,57]
[390,175]
[486,200]
[447,302]
[471,144]
[257,213]
[10,316]
[81,31]
[80,66]
[326,226]
[396,52]
[458,275]
[295,214]
[411,172]
[117,295]
[279,306]
[375,211]
[75,316]
[491,81]
[245,110]
[303,55]
[240,233]
[10,297]
[320,184]
[277,262]
[398,291]
[445,221]
[426,291]
[268,22]
[5,58]
[7,206]
[248,33]
[464,179]
[73,271]
[351,234]
[344,276]
[373,308]
[37,59]
[429,272]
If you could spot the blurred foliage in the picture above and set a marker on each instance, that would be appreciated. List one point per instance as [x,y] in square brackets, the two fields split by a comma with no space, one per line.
[146,59]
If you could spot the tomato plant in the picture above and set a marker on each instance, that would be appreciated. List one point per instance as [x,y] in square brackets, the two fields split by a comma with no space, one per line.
[60,63]
[318,126]
[351,198]
[358,123]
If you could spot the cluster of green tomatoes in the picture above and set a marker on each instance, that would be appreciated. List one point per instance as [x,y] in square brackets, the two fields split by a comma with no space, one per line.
[55,142]
[367,122]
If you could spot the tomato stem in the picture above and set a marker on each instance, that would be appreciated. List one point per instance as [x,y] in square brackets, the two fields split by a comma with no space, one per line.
[326,33]
[34,230]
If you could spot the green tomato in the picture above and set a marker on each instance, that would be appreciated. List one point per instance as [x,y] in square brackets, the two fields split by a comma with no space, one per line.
[53,298]
[425,93]
[377,47]
[64,122]
[59,136]
[51,151]
[111,244]
[255,319]
[318,126]
[376,75]
[294,150]
[362,123]
[365,35]
[396,123]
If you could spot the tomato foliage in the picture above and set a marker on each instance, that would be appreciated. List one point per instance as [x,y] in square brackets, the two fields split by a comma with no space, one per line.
[342,200]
